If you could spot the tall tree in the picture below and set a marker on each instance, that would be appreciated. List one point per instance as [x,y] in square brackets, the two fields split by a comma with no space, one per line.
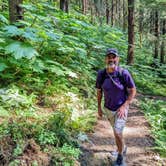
[124,16]
[112,13]
[107,12]
[119,12]
[91,5]
[15,10]
[141,16]
[64,5]
[156,33]
[99,6]
[151,23]
[130,57]
[84,6]
[162,52]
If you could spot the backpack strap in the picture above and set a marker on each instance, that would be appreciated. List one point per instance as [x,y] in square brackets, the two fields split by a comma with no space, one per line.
[103,75]
[122,79]
[121,75]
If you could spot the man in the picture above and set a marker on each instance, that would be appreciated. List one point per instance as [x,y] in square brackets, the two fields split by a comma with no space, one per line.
[119,90]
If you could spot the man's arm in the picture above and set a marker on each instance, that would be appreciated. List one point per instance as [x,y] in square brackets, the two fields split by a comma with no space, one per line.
[132,93]
[99,99]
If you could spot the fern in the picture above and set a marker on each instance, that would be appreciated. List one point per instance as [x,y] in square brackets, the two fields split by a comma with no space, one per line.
[3,19]
[3,66]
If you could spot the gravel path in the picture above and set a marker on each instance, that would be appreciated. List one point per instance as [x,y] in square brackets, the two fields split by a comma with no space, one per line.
[96,152]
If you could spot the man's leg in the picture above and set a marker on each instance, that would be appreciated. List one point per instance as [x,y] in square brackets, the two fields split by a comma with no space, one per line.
[118,125]
[119,141]
[118,133]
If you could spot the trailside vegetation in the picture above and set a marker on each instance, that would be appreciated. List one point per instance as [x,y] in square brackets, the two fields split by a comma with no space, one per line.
[49,56]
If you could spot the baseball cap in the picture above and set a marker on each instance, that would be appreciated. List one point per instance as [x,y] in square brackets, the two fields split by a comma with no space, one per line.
[112,51]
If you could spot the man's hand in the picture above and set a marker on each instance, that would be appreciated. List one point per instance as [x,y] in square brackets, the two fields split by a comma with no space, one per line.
[122,109]
[122,113]
[100,113]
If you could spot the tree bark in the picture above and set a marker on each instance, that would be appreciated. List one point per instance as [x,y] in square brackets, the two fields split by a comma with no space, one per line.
[84,6]
[116,13]
[156,33]
[130,57]
[91,11]
[124,16]
[162,52]
[116,4]
[151,28]
[119,12]
[64,5]
[15,10]
[107,12]
[141,16]
[112,13]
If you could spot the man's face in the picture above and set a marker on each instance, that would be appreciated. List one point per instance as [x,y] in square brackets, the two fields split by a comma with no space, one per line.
[112,59]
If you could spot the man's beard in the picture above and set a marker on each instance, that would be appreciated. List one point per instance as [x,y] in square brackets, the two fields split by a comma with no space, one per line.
[111,66]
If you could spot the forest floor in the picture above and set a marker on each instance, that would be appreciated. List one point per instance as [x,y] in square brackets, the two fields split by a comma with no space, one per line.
[97,151]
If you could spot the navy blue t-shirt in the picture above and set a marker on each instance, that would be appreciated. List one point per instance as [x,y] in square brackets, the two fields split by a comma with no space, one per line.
[114,94]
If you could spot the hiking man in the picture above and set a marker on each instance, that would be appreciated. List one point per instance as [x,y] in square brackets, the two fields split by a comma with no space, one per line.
[119,90]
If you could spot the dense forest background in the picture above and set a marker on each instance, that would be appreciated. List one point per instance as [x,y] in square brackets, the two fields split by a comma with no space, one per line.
[50,52]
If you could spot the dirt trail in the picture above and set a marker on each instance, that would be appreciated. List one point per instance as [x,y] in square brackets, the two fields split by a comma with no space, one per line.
[96,152]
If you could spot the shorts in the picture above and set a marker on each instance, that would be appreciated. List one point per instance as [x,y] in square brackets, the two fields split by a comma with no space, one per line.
[117,123]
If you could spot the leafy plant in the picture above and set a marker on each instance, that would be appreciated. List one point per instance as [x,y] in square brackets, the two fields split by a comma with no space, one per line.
[66,155]
[20,50]
[156,113]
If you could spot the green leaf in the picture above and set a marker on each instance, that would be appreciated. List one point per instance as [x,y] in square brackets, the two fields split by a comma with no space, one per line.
[3,19]
[2,40]
[20,50]
[3,112]
[66,50]
[81,53]
[25,23]
[57,70]
[3,66]
[38,66]
[12,30]
[30,34]
[54,36]
[31,8]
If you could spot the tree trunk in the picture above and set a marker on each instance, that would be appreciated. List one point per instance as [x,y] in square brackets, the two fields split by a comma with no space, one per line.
[92,11]
[162,53]
[119,12]
[15,10]
[80,4]
[107,12]
[116,13]
[64,5]
[116,4]
[151,28]
[156,33]
[84,6]
[112,13]
[130,57]
[141,16]
[124,16]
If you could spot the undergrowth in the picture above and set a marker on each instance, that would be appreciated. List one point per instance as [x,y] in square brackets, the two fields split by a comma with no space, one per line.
[155,111]
[48,65]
